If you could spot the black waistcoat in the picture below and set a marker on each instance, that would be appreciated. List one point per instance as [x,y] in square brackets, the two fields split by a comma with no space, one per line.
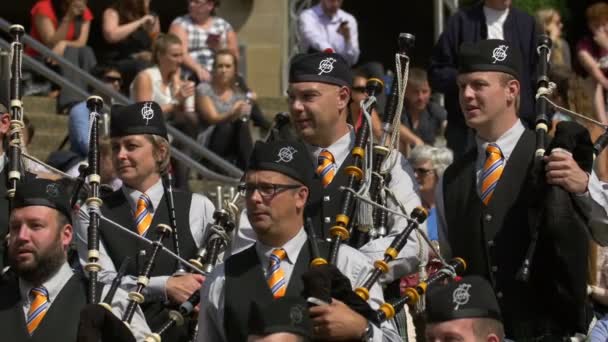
[120,245]
[4,206]
[60,322]
[494,239]
[325,203]
[245,268]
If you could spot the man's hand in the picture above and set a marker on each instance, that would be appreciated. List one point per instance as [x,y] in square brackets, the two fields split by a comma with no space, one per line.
[561,169]
[344,30]
[337,322]
[181,287]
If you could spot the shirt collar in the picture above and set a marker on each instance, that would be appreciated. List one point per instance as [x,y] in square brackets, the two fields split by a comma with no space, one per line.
[339,149]
[54,285]
[505,142]
[321,14]
[155,193]
[291,247]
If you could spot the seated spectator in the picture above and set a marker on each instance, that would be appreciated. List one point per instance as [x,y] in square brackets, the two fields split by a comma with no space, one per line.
[422,120]
[203,33]
[130,28]
[429,163]
[63,26]
[358,93]
[222,105]
[326,26]
[592,52]
[78,121]
[550,21]
[162,83]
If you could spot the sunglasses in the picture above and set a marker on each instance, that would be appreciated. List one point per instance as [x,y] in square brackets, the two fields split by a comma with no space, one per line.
[112,79]
[359,89]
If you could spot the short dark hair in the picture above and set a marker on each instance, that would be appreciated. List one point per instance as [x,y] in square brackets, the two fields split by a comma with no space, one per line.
[417,76]
[482,327]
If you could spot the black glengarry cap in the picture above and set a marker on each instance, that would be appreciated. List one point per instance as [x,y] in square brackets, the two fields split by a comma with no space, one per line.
[489,55]
[138,118]
[471,297]
[320,67]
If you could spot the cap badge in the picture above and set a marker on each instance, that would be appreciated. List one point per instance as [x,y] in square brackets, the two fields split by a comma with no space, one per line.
[52,190]
[499,53]
[461,295]
[326,65]
[296,314]
[147,113]
[286,154]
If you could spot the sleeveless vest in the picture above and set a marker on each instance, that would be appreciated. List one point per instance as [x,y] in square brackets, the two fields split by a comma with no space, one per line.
[60,322]
[325,203]
[120,245]
[245,268]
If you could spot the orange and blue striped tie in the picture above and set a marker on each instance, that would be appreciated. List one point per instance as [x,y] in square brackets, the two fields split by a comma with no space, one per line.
[326,168]
[492,170]
[143,218]
[276,275]
[38,308]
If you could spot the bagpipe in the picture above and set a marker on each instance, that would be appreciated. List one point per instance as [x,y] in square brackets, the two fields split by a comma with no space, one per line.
[340,231]
[15,141]
[367,175]
[217,239]
[558,241]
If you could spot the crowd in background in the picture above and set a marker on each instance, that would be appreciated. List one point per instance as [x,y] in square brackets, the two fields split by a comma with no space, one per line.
[192,72]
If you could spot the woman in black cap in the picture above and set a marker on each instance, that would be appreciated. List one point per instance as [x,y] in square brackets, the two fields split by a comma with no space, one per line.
[140,151]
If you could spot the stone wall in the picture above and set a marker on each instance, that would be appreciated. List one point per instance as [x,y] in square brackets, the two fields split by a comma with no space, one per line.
[262,25]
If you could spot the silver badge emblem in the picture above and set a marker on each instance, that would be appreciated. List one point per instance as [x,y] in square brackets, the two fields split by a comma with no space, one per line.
[500,53]
[296,314]
[52,190]
[147,112]
[461,295]
[326,65]
[286,154]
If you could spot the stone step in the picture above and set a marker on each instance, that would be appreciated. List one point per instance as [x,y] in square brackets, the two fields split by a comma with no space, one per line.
[40,104]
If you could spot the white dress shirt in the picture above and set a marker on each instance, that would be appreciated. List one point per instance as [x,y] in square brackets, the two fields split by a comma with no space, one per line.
[355,266]
[201,214]
[405,189]
[319,31]
[495,20]
[55,284]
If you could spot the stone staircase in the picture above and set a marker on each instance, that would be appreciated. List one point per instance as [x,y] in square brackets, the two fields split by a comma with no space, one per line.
[52,128]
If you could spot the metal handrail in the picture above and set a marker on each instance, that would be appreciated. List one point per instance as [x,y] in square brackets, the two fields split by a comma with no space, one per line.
[104,90]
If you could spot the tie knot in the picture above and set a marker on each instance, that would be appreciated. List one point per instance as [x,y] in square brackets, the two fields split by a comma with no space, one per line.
[144,201]
[493,149]
[39,292]
[279,254]
[326,155]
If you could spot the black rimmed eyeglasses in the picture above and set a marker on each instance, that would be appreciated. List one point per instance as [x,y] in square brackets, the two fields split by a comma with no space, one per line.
[266,190]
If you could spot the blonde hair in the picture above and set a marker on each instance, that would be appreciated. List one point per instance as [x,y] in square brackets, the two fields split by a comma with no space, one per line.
[544,17]
[161,152]
[162,43]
